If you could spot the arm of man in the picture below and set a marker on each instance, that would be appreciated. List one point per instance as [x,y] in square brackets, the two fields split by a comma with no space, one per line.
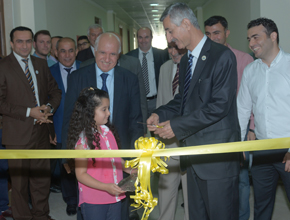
[244,104]
[71,96]
[136,130]
[215,105]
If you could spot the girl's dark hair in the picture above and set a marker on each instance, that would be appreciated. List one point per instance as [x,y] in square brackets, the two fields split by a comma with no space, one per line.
[82,119]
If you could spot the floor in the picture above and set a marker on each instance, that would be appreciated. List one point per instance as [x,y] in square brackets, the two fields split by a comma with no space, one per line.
[281,210]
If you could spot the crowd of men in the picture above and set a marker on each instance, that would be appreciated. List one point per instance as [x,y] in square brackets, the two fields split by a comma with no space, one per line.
[200,91]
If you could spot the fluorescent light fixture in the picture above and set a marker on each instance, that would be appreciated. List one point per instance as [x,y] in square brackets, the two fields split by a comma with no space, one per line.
[154,10]
[155,15]
[154,4]
[156,19]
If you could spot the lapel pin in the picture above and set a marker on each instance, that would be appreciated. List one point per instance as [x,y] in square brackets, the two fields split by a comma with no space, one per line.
[36,71]
[203,57]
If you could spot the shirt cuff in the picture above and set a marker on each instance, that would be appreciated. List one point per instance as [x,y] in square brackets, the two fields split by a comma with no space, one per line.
[28,112]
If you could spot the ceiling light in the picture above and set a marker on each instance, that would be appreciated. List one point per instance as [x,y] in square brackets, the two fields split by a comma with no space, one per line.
[154,4]
[155,15]
[156,19]
[154,10]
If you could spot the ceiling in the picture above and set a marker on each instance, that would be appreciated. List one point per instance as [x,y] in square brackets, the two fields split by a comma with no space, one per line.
[138,13]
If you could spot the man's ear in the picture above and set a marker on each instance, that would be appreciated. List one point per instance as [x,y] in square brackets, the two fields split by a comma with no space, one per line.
[273,36]
[77,51]
[227,33]
[186,23]
[56,54]
[34,44]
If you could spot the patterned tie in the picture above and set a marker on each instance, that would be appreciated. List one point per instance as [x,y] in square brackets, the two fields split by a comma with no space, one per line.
[187,80]
[68,72]
[175,80]
[29,78]
[145,73]
[104,78]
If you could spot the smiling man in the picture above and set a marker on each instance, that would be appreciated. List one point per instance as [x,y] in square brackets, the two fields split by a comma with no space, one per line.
[42,46]
[28,95]
[265,90]
[203,112]
[122,86]
[151,60]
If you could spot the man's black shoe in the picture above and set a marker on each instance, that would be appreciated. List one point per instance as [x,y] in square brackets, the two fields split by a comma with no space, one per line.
[55,189]
[71,210]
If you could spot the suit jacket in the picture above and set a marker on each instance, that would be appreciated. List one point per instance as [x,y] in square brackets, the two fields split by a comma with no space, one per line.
[16,96]
[85,54]
[159,56]
[58,115]
[210,112]
[132,64]
[126,111]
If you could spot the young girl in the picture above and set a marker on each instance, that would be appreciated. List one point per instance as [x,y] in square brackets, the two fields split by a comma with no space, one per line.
[99,196]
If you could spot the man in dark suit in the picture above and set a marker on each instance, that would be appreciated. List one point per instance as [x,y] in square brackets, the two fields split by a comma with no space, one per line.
[66,52]
[203,112]
[148,55]
[93,32]
[28,95]
[132,64]
[123,89]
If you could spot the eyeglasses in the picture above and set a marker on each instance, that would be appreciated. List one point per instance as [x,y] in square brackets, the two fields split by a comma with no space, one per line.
[82,44]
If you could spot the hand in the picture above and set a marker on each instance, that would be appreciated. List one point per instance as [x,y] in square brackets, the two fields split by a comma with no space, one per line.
[52,141]
[41,117]
[67,168]
[152,120]
[286,160]
[113,189]
[165,132]
[251,136]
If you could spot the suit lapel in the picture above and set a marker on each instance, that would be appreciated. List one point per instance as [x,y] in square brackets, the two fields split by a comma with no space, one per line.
[117,90]
[200,64]
[18,70]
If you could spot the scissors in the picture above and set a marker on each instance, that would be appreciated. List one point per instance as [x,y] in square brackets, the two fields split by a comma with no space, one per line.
[157,126]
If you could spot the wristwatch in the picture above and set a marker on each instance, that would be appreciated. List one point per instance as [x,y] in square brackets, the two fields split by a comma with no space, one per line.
[49,105]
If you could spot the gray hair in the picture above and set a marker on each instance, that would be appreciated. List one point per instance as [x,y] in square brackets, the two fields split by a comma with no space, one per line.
[94,26]
[177,12]
[99,37]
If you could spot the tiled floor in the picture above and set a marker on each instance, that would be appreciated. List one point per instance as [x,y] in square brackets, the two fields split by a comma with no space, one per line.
[281,210]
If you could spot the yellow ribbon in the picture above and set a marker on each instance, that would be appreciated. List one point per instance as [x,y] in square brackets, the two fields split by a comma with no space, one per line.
[148,152]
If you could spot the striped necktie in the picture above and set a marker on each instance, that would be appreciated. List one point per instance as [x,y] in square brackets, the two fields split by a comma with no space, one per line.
[29,78]
[187,80]
[145,73]
[175,80]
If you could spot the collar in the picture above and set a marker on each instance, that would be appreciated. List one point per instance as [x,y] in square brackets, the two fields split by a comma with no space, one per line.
[73,66]
[196,51]
[99,71]
[148,52]
[105,130]
[277,58]
[20,58]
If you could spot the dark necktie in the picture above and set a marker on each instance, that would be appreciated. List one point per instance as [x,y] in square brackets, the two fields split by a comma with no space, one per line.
[29,78]
[145,73]
[175,80]
[68,73]
[104,78]
[187,80]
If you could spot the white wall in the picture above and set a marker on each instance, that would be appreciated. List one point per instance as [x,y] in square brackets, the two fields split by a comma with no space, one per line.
[278,11]
[238,15]
[69,18]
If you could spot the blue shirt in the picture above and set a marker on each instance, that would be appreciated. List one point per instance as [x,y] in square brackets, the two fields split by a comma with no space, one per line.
[49,61]
[110,86]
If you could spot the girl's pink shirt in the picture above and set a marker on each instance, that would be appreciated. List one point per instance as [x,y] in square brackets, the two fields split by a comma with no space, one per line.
[106,170]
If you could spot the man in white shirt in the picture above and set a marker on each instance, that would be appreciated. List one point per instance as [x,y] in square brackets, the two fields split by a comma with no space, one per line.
[265,91]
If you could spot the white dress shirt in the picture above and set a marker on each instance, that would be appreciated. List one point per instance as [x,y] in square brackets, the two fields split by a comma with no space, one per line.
[64,73]
[151,71]
[266,91]
[32,72]
[195,53]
